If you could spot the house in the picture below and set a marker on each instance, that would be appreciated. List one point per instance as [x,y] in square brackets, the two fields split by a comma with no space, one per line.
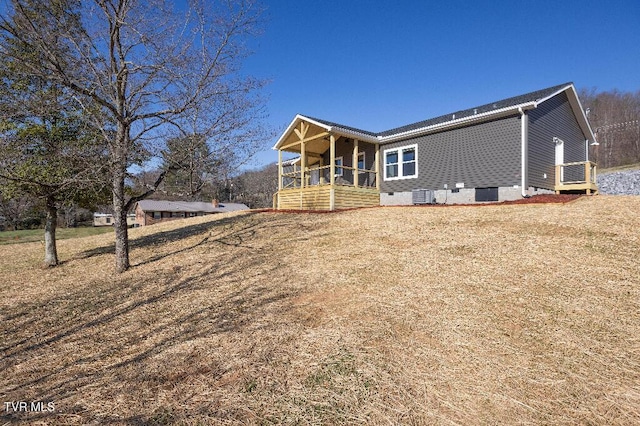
[148,212]
[106,219]
[517,147]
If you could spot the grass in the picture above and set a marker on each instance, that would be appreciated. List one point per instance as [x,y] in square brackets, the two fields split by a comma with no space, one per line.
[524,314]
[32,235]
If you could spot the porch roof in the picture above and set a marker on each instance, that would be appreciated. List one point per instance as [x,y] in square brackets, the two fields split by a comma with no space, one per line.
[317,134]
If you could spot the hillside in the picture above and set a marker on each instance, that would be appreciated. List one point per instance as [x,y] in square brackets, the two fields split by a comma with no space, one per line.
[416,315]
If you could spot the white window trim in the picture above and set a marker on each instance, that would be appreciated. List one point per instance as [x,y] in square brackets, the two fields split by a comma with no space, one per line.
[399,150]
[341,166]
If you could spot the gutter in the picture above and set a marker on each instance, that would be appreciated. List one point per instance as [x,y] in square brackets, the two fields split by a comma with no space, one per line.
[457,122]
[524,143]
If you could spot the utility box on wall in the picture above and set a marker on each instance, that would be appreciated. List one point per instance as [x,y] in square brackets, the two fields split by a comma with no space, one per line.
[487,194]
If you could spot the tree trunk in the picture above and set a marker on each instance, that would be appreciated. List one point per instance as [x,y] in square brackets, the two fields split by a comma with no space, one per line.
[119,167]
[120,224]
[50,250]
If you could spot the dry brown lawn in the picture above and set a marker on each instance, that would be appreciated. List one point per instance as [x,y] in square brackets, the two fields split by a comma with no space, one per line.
[518,314]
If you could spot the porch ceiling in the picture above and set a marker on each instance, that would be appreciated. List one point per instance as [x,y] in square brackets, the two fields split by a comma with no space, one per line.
[316,138]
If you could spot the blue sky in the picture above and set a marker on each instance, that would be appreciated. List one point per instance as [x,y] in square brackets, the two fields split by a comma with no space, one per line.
[377,65]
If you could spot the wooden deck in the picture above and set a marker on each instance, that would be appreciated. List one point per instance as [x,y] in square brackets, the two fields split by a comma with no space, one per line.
[318,197]
[578,176]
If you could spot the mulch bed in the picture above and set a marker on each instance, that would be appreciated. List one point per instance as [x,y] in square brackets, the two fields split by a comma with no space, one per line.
[535,199]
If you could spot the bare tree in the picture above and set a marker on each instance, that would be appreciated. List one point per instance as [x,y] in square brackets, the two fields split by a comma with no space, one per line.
[192,167]
[256,187]
[615,119]
[152,67]
[18,212]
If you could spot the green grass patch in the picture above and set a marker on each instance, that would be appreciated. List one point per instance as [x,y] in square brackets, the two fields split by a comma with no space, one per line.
[31,235]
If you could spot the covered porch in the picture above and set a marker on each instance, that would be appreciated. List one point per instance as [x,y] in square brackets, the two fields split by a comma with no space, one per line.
[338,167]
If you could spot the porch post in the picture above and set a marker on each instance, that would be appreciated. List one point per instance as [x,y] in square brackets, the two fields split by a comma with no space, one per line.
[332,172]
[276,204]
[377,167]
[587,176]
[303,164]
[279,170]
[355,163]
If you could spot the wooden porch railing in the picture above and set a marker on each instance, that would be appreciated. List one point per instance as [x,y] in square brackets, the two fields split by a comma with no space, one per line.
[576,176]
[293,179]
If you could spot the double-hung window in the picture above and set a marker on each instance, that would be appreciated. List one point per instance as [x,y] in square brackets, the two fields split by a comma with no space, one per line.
[361,162]
[339,166]
[401,163]
[391,164]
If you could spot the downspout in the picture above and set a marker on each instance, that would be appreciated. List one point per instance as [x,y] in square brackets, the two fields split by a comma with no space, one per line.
[524,136]
[586,150]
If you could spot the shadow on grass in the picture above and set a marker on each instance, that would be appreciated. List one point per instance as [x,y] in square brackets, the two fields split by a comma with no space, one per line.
[47,328]
[164,236]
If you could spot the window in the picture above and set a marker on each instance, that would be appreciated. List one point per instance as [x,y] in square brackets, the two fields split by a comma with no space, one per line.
[401,163]
[409,162]
[339,165]
[108,220]
[391,164]
[156,215]
[361,162]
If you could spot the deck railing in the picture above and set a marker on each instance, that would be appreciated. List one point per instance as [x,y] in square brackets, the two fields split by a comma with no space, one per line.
[320,175]
[578,176]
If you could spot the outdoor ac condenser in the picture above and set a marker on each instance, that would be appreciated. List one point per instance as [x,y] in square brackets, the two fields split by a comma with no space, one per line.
[422,196]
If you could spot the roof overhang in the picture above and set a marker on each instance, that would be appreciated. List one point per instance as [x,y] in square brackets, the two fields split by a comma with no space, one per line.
[316,133]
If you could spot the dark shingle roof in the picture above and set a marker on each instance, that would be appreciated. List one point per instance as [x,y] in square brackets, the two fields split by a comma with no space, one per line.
[497,105]
[504,103]
[342,126]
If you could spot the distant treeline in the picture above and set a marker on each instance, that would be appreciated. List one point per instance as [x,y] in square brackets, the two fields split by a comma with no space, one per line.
[615,119]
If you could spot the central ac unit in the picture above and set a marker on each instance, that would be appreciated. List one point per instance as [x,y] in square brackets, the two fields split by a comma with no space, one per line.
[422,196]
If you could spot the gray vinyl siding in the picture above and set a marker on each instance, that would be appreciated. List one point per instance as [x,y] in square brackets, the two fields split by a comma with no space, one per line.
[344,149]
[553,118]
[481,155]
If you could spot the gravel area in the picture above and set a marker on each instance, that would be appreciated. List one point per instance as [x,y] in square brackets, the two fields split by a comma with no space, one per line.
[620,183]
